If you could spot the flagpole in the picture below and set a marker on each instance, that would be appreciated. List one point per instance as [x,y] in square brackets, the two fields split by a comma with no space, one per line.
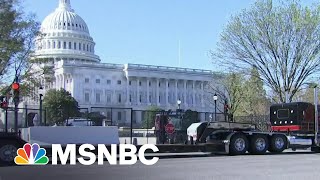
[179,54]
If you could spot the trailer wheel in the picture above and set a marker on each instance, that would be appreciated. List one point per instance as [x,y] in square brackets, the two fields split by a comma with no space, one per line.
[238,144]
[278,143]
[258,144]
[8,151]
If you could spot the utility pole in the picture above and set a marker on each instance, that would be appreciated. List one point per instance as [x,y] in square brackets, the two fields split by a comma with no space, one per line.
[316,121]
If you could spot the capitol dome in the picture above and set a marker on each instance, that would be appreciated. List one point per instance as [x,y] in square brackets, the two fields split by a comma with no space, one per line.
[65,35]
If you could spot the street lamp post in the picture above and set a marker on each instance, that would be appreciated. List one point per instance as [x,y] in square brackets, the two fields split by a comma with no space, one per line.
[215,98]
[179,111]
[40,108]
[179,103]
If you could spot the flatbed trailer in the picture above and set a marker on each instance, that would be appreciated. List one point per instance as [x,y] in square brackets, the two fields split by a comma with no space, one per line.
[238,138]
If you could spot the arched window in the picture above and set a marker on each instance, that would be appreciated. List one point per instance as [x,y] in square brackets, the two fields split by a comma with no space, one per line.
[80,46]
[70,45]
[54,44]
[75,46]
[49,45]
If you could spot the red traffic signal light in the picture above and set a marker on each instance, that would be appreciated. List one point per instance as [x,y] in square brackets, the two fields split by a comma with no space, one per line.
[4,105]
[15,86]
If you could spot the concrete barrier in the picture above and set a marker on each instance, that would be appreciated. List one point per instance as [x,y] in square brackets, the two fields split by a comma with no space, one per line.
[71,135]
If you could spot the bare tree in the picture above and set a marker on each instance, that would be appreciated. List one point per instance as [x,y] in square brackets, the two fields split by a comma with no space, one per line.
[230,90]
[281,42]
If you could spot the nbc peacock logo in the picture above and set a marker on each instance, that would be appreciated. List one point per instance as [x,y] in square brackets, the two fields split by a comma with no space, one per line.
[31,155]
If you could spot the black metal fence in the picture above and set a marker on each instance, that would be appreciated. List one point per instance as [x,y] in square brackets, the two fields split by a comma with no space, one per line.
[26,117]
[135,126]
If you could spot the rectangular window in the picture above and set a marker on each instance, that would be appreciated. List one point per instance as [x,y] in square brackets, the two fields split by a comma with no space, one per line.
[159,98]
[149,83]
[49,45]
[150,99]
[119,82]
[130,98]
[108,115]
[84,47]
[54,45]
[108,82]
[108,98]
[86,80]
[119,98]
[98,81]
[86,97]
[129,83]
[75,46]
[70,45]
[140,83]
[64,45]
[79,46]
[140,98]
[119,116]
[159,84]
[283,113]
[59,45]
[98,97]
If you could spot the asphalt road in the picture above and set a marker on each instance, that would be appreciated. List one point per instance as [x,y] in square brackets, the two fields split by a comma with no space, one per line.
[291,166]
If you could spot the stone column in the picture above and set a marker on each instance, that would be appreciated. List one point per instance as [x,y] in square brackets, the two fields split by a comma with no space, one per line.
[185,93]
[176,93]
[138,91]
[202,93]
[157,98]
[128,90]
[148,98]
[64,77]
[193,93]
[167,92]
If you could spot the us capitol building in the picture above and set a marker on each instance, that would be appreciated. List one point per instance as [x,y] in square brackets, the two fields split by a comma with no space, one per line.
[67,44]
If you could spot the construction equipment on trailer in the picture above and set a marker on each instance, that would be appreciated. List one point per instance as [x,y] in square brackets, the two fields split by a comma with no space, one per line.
[293,125]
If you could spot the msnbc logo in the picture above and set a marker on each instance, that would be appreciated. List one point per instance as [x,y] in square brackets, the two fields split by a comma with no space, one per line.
[31,155]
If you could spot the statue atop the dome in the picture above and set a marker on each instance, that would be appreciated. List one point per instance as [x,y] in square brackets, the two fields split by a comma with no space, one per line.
[65,4]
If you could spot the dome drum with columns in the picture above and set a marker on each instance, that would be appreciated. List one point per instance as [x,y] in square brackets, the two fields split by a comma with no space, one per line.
[64,32]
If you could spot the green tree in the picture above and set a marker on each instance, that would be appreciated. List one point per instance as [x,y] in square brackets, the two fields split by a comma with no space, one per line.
[60,105]
[230,89]
[281,41]
[149,117]
[255,101]
[307,93]
[189,117]
[17,34]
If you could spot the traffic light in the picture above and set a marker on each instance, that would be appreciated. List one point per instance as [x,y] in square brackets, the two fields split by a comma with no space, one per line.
[16,92]
[3,102]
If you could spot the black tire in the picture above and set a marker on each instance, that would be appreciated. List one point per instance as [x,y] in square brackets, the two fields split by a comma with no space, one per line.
[259,144]
[238,144]
[8,151]
[278,143]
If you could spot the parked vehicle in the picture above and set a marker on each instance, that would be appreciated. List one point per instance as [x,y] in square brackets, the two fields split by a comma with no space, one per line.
[293,125]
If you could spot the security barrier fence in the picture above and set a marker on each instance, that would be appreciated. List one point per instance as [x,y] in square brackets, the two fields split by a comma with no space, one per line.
[135,126]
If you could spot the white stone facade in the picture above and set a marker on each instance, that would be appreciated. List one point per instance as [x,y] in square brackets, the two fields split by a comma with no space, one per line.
[67,44]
